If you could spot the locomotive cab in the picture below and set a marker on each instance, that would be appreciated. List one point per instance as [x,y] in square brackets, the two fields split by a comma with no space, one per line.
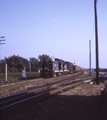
[49,69]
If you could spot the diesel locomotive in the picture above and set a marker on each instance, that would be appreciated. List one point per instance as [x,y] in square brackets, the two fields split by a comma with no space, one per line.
[58,67]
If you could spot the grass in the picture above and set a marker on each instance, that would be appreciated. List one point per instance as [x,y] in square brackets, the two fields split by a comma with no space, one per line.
[22,85]
[14,77]
[86,76]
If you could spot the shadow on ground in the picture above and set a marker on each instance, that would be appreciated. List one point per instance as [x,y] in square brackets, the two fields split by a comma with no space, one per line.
[60,107]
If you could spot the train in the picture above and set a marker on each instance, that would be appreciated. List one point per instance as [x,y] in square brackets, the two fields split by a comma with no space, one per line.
[58,67]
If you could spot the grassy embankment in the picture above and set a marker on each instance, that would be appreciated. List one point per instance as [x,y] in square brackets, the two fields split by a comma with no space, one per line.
[23,85]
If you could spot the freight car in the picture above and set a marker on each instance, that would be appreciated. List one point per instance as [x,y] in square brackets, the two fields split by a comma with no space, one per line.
[77,68]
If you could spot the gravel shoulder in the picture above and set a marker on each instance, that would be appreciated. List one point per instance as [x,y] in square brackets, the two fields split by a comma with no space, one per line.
[84,102]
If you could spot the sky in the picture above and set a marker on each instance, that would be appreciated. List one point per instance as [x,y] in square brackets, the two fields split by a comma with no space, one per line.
[58,28]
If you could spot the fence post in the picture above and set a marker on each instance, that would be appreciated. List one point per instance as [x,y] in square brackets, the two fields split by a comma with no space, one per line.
[24,71]
[5,72]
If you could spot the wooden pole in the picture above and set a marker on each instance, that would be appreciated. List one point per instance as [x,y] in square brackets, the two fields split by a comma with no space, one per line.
[24,71]
[90,57]
[29,66]
[96,41]
[5,72]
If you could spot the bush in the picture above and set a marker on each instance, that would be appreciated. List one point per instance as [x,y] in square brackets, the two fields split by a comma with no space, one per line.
[14,77]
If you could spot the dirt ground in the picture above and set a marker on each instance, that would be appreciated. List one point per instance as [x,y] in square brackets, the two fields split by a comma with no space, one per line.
[84,102]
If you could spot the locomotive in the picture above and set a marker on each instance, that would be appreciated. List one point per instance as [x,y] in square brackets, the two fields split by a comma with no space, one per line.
[58,67]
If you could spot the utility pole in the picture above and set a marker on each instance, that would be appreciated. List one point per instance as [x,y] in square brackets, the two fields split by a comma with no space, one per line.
[24,71]
[2,39]
[96,41]
[89,57]
[5,72]
[29,66]
[1,43]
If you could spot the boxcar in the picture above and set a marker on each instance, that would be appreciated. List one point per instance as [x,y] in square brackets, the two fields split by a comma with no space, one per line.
[77,68]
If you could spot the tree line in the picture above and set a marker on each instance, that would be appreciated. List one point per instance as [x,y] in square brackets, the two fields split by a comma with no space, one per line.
[17,63]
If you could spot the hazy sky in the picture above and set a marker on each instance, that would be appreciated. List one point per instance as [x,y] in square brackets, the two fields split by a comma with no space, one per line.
[58,28]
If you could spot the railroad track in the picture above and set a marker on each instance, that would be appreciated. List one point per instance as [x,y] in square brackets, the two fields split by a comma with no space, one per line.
[43,90]
[19,82]
[40,85]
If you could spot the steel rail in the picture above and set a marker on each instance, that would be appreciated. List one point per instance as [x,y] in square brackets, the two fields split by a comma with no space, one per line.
[14,98]
[37,86]
[48,84]
[72,82]
[12,95]
[41,89]
[23,100]
[28,92]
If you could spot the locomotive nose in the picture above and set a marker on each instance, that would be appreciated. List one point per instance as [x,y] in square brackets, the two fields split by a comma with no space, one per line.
[46,68]
[47,74]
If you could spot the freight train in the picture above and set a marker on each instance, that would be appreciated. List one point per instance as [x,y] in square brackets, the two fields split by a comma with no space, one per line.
[58,67]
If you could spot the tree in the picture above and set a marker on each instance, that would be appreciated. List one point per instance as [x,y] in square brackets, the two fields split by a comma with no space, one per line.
[16,63]
[43,58]
[34,64]
[2,65]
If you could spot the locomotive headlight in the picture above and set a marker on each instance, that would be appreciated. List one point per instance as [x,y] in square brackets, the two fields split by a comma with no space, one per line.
[46,68]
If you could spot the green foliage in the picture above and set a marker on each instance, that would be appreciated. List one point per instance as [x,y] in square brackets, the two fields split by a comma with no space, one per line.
[16,64]
[10,79]
[34,64]
[33,75]
[2,65]
[43,58]
[14,77]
